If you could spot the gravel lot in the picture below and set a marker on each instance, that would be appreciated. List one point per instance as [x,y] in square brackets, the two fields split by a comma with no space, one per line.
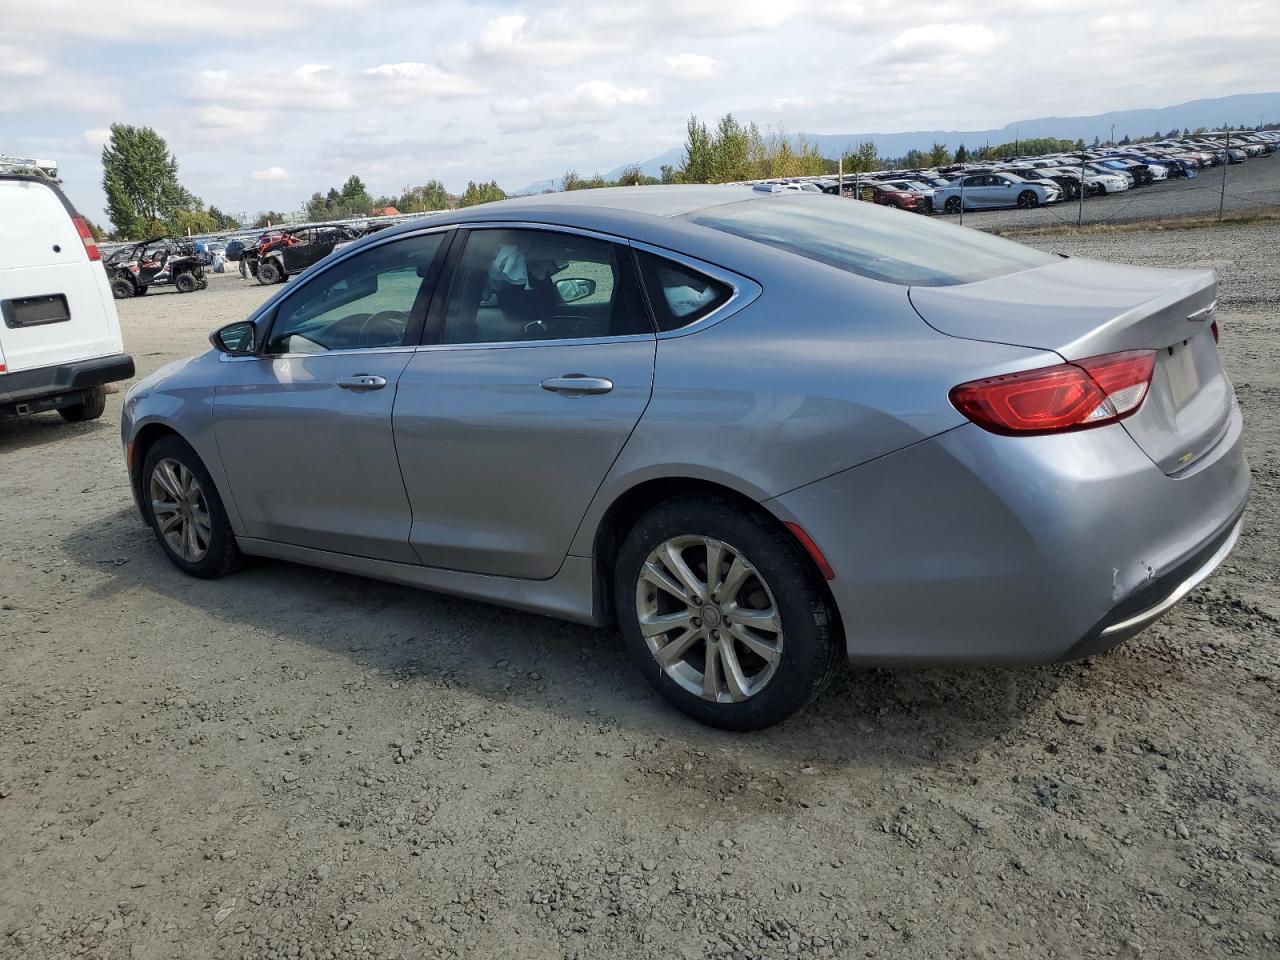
[293,763]
[1250,185]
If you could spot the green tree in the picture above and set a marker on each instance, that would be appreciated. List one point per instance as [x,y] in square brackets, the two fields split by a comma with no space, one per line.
[420,199]
[939,155]
[571,181]
[269,218]
[863,158]
[481,193]
[669,174]
[224,221]
[632,176]
[698,165]
[961,154]
[140,179]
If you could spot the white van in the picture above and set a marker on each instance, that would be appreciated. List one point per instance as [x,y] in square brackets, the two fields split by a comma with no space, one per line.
[60,338]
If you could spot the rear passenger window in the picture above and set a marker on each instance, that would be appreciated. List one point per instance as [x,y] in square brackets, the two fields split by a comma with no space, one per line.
[678,294]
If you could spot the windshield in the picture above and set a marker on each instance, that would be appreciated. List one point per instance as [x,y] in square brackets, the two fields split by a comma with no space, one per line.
[871,240]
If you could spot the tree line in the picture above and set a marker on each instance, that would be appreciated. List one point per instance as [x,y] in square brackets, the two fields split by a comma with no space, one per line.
[145,197]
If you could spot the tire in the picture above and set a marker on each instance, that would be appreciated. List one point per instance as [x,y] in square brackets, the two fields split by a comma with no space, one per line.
[1099,190]
[776,581]
[202,283]
[952,205]
[122,289]
[269,273]
[141,291]
[90,408]
[1028,199]
[185,283]
[215,553]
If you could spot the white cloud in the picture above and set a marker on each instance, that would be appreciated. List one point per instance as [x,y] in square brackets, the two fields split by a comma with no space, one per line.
[271,174]
[16,61]
[97,137]
[691,66]
[940,41]
[587,103]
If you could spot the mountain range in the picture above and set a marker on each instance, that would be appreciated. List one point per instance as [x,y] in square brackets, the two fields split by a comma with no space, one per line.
[1236,110]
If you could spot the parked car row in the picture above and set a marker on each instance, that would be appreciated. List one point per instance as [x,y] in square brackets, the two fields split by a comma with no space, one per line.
[1027,182]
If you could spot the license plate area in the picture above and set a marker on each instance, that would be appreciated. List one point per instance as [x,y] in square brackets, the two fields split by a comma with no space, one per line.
[35,311]
[1183,373]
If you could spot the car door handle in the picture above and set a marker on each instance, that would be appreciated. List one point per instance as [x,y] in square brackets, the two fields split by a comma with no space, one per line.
[577,385]
[363,381]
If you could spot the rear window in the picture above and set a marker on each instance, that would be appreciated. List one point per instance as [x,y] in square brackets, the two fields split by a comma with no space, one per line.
[871,240]
[679,295]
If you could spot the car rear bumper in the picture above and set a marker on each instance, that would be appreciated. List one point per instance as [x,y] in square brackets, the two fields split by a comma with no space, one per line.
[972,547]
[24,386]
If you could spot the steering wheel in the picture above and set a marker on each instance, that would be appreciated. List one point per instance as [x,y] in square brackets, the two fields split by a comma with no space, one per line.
[383,329]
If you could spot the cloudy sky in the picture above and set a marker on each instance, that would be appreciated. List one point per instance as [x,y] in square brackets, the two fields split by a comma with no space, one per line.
[265,103]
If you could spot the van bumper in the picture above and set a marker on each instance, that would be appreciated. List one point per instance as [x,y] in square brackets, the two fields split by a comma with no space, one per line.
[23,387]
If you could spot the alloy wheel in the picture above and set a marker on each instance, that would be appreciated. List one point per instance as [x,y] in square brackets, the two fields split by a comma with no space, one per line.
[709,619]
[181,511]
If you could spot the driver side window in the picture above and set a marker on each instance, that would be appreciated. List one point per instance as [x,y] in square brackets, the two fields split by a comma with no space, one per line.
[367,301]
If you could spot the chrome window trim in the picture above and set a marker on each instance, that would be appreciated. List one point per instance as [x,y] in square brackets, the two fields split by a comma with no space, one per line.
[352,351]
[745,291]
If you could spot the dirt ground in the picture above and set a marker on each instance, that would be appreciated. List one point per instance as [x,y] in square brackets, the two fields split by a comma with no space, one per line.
[293,763]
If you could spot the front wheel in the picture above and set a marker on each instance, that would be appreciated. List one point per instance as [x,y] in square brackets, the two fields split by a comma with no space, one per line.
[952,205]
[724,614]
[122,289]
[269,272]
[184,509]
[1028,199]
[185,283]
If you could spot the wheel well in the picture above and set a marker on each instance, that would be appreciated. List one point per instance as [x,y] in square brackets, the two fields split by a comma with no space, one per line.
[626,511]
[143,441]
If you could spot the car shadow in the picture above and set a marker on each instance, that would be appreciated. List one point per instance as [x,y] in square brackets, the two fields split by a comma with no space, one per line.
[37,429]
[882,717]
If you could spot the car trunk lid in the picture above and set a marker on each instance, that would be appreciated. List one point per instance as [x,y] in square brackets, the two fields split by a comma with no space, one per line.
[1081,308]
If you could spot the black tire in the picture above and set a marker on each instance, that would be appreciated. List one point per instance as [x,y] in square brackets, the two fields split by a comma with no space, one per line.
[269,273]
[141,291]
[202,283]
[90,408]
[1028,199]
[122,289]
[186,283]
[952,205]
[221,556]
[810,647]
[1099,189]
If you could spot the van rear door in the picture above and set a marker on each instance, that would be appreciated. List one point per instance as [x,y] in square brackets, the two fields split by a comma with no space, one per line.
[55,303]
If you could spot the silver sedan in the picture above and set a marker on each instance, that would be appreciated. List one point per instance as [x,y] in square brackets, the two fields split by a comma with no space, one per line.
[980,191]
[761,432]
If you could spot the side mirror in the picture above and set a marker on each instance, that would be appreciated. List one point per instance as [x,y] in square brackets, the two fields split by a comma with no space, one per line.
[236,339]
[574,289]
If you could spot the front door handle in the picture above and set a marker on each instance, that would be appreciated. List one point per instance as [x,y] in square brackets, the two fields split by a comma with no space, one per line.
[363,381]
[577,385]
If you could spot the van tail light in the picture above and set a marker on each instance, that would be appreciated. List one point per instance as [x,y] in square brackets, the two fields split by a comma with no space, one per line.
[86,236]
[1068,396]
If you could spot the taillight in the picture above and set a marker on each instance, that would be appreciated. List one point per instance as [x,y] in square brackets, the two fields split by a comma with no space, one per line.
[1068,396]
[86,236]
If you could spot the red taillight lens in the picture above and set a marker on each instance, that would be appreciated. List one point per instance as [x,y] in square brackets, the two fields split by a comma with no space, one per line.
[86,236]
[1069,396]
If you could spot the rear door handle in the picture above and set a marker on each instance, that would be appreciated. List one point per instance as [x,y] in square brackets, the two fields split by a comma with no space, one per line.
[577,385]
[363,381]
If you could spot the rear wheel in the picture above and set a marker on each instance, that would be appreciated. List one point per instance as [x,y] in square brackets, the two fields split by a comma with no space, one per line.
[952,205]
[122,289]
[202,283]
[723,613]
[184,509]
[1028,199]
[269,272]
[89,408]
[185,283]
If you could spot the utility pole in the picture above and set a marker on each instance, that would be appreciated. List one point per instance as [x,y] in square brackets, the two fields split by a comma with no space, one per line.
[1226,162]
[1113,135]
[962,196]
[1080,205]
[840,174]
